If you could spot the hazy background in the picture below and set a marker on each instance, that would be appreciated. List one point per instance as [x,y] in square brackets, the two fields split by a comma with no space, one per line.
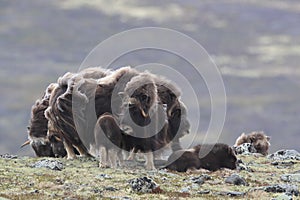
[256,46]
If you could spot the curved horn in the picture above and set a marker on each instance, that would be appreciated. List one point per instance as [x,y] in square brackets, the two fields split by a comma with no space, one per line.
[169,112]
[25,143]
[144,114]
[58,139]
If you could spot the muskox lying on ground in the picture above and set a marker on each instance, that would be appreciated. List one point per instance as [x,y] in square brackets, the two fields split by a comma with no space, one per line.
[259,140]
[206,156]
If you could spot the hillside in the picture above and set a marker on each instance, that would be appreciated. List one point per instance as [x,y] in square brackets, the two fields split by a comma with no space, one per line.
[82,179]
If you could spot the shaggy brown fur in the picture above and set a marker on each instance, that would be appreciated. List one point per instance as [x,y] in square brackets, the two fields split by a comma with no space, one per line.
[179,125]
[65,104]
[109,136]
[140,97]
[108,139]
[218,156]
[259,140]
[74,100]
[182,160]
[169,95]
[37,130]
[38,127]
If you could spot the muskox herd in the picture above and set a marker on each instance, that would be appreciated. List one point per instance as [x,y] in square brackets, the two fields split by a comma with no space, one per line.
[99,112]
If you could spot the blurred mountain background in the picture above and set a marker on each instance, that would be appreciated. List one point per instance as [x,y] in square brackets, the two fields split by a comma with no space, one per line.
[255,44]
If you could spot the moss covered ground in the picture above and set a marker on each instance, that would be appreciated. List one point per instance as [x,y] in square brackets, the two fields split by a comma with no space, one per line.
[83,179]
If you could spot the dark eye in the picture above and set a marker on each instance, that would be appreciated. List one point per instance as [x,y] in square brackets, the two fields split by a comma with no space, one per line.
[145,98]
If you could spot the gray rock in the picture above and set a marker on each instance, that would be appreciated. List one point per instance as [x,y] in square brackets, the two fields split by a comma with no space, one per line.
[245,149]
[284,197]
[50,164]
[242,166]
[164,172]
[143,185]
[290,177]
[285,155]
[283,164]
[279,188]
[121,198]
[110,188]
[185,190]
[200,179]
[103,176]
[204,192]
[8,156]
[236,180]
[231,193]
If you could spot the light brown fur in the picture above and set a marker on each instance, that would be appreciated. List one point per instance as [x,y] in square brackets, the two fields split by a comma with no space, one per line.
[259,140]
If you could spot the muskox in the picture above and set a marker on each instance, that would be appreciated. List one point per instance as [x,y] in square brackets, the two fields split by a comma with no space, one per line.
[67,102]
[108,140]
[77,101]
[176,111]
[259,140]
[139,109]
[206,156]
[38,128]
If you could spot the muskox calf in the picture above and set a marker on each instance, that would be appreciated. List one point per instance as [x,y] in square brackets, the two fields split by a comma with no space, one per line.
[108,140]
[259,140]
[206,156]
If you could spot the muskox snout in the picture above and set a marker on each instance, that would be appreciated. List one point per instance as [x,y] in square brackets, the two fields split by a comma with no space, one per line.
[42,149]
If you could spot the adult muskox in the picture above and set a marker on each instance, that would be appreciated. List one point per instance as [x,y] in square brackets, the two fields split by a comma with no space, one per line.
[79,100]
[38,127]
[68,101]
[169,95]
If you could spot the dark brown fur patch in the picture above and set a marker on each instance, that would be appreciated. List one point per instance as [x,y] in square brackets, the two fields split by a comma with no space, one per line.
[218,156]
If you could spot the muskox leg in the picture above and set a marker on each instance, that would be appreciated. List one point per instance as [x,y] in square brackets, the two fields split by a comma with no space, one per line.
[93,150]
[70,151]
[149,161]
[112,156]
[82,150]
[125,154]
[120,158]
[158,155]
[103,157]
[131,154]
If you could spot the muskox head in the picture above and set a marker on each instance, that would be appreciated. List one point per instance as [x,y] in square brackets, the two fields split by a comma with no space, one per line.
[177,118]
[37,130]
[141,98]
[38,125]
[259,140]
